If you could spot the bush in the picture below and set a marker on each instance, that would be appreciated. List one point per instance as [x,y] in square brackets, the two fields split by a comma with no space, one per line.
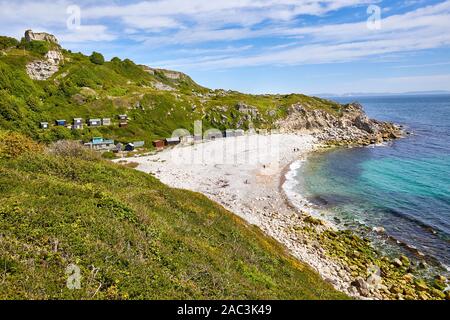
[7,42]
[108,155]
[97,58]
[39,47]
[73,149]
[13,145]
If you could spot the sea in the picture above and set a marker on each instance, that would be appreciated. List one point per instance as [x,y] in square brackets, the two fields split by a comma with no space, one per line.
[397,193]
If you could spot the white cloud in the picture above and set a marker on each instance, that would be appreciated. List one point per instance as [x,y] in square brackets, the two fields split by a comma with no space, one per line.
[150,23]
[424,28]
[87,33]
[220,24]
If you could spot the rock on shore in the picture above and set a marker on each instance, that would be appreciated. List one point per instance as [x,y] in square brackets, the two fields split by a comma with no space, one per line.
[352,126]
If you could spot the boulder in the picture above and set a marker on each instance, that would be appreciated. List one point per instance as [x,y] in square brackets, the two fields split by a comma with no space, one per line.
[397,262]
[421,285]
[361,286]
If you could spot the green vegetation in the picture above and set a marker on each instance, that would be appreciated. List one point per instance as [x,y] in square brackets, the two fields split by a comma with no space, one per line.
[37,47]
[131,236]
[97,58]
[7,42]
[157,101]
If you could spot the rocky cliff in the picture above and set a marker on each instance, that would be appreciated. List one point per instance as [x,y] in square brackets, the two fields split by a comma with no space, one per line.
[40,36]
[350,126]
[44,69]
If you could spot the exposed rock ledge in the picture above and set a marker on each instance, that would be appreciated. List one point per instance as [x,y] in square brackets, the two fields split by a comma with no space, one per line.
[40,36]
[352,126]
[44,69]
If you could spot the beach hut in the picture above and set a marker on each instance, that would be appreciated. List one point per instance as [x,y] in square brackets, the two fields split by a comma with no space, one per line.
[119,147]
[173,141]
[213,135]
[198,138]
[139,144]
[159,144]
[123,120]
[95,122]
[101,144]
[230,133]
[44,125]
[61,123]
[130,147]
[187,139]
[77,123]
[97,140]
[239,133]
[106,121]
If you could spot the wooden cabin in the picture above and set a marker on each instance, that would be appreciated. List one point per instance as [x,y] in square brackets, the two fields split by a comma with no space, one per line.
[130,147]
[173,141]
[95,122]
[139,144]
[229,133]
[106,121]
[159,144]
[187,139]
[77,123]
[119,148]
[123,120]
[213,135]
[101,144]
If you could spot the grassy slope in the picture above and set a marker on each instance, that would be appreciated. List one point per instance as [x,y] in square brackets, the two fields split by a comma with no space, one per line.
[124,87]
[147,240]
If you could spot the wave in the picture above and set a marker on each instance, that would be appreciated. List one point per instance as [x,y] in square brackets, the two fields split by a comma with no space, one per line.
[321,207]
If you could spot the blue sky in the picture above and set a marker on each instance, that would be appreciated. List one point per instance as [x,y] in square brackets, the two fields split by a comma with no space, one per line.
[259,46]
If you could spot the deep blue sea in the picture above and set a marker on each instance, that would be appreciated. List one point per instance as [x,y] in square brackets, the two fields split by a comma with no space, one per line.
[403,186]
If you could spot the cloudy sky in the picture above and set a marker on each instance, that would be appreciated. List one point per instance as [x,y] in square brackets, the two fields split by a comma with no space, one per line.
[259,46]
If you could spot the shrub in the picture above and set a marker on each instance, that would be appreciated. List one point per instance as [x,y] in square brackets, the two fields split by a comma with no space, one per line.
[39,47]
[13,145]
[97,58]
[73,149]
[108,155]
[7,42]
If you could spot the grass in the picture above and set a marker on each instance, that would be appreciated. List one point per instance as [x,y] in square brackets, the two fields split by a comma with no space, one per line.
[132,237]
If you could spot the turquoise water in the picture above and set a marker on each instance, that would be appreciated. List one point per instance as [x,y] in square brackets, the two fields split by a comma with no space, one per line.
[403,186]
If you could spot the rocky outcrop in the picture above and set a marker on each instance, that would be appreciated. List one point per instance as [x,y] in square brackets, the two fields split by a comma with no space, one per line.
[250,111]
[40,36]
[351,126]
[162,87]
[173,75]
[44,69]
